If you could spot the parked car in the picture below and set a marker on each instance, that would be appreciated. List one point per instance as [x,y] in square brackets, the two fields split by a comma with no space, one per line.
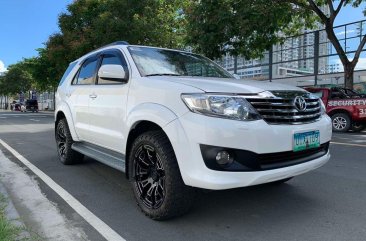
[31,105]
[346,107]
[175,121]
[16,106]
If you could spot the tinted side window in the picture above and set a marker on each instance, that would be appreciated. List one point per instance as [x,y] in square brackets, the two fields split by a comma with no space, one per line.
[67,72]
[87,72]
[111,59]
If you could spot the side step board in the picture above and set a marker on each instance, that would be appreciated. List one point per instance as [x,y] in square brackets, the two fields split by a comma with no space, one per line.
[107,157]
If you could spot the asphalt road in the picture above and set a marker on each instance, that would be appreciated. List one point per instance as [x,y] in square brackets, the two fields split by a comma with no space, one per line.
[326,204]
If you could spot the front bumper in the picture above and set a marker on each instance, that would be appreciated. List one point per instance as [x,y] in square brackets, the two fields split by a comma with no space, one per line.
[191,130]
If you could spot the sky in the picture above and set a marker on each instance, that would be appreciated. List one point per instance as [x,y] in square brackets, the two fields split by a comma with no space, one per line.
[349,14]
[26,24]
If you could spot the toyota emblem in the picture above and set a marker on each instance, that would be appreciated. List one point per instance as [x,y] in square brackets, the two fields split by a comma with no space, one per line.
[300,103]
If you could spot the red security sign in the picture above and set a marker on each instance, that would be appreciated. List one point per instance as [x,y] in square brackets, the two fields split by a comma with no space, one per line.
[352,102]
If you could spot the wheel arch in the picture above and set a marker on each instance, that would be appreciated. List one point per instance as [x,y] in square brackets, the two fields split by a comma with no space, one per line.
[137,129]
[336,111]
[145,117]
[63,111]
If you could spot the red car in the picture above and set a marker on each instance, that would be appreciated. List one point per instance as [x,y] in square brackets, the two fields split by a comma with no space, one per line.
[346,107]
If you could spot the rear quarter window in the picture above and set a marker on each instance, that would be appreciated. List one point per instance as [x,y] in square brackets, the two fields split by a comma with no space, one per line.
[67,72]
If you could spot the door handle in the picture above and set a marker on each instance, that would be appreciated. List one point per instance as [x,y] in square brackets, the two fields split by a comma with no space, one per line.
[93,96]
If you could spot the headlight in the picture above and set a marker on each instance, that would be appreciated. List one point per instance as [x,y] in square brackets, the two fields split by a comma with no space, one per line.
[224,106]
[322,107]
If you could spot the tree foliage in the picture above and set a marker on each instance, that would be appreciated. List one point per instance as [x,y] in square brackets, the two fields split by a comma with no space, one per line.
[90,24]
[246,28]
[3,87]
[212,27]
[250,27]
[17,79]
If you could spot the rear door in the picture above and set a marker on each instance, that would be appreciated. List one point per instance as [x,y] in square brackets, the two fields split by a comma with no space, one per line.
[79,95]
[107,108]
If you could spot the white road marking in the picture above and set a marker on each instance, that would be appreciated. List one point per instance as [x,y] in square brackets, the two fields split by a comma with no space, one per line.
[347,144]
[38,116]
[33,120]
[107,232]
[27,114]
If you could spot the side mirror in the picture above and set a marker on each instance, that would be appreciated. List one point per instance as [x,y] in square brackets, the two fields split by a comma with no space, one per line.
[236,76]
[112,72]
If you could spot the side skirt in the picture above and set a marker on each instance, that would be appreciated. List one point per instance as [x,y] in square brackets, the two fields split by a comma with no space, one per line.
[110,158]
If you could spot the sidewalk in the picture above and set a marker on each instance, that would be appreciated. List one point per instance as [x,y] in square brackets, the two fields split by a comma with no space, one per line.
[30,206]
[12,214]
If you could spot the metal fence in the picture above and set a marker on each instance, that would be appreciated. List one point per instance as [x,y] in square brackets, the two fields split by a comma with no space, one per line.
[306,59]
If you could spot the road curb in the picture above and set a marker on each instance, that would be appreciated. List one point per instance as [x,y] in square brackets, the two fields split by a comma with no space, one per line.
[12,214]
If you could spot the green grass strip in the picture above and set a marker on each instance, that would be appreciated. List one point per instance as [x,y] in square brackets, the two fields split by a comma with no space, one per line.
[8,231]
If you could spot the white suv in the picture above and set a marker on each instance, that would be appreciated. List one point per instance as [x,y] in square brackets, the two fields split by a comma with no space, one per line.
[175,121]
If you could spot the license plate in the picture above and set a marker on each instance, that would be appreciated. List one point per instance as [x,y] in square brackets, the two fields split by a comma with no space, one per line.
[306,140]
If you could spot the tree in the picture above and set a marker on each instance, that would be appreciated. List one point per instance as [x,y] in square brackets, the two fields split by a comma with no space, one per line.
[328,21]
[4,92]
[250,27]
[90,24]
[246,28]
[46,68]
[18,78]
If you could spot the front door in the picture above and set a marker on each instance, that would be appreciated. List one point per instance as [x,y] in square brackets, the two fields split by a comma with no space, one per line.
[107,108]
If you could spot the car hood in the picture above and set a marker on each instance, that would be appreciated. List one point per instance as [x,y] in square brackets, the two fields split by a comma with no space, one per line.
[223,85]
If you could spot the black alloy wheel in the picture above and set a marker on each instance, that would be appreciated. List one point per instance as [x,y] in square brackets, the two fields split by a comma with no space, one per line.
[155,177]
[149,176]
[61,140]
[64,142]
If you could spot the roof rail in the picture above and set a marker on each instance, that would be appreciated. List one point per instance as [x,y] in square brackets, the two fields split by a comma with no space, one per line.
[118,43]
[112,44]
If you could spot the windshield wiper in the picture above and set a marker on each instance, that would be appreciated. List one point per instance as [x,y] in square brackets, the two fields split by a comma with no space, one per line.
[163,74]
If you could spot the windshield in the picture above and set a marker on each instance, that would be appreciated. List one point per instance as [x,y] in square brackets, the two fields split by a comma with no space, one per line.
[155,62]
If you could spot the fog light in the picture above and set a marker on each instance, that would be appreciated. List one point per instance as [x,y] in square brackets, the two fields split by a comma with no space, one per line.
[224,158]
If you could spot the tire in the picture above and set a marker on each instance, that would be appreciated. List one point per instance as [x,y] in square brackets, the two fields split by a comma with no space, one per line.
[357,127]
[64,141]
[155,177]
[341,122]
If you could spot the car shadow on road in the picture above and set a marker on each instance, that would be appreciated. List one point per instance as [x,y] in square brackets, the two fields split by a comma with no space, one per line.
[267,201]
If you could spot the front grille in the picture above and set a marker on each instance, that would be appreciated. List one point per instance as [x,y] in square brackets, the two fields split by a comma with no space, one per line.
[283,110]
